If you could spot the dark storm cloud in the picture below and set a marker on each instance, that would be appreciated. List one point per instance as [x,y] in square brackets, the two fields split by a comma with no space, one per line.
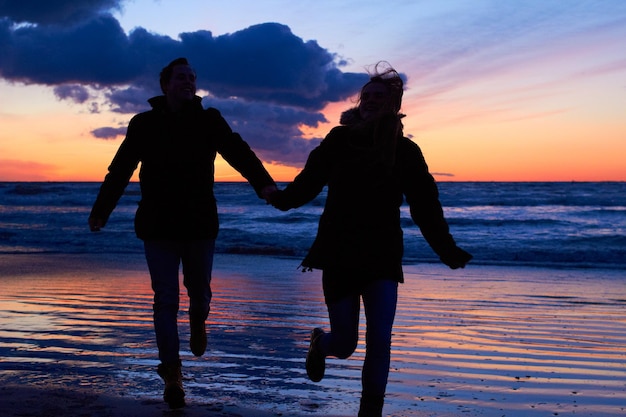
[278,132]
[268,62]
[94,52]
[54,11]
[267,80]
[76,93]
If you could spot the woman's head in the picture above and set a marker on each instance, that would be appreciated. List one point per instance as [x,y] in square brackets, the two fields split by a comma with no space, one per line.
[382,93]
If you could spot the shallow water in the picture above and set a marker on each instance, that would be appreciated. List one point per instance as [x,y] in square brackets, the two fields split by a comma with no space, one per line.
[483,341]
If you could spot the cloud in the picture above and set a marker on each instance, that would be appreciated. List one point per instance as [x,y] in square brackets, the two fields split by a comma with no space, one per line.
[275,128]
[108,132]
[267,62]
[442,174]
[15,170]
[278,80]
[470,42]
[93,52]
[76,93]
[55,11]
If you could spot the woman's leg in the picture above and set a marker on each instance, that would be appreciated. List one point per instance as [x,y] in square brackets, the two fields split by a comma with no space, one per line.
[344,328]
[379,299]
[340,342]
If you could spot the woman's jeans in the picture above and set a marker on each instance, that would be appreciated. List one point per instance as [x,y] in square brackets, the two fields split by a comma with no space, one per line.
[379,300]
[164,258]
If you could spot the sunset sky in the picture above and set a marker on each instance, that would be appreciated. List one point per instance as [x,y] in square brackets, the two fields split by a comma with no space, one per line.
[525,90]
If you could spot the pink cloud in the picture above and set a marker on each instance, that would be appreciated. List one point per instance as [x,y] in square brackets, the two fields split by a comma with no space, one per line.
[17,170]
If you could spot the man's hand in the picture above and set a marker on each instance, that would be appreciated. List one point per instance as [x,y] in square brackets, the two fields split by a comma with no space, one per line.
[95,224]
[267,191]
[277,200]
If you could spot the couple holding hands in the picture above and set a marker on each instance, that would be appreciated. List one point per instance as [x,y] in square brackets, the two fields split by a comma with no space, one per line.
[369,168]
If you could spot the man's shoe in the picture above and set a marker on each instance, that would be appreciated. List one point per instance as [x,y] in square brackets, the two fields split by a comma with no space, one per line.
[315,360]
[197,342]
[173,395]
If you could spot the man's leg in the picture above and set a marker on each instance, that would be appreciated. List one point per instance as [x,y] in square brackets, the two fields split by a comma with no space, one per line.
[163,263]
[197,266]
[163,260]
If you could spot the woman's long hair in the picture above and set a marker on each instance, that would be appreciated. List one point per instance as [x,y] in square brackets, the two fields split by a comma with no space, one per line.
[385,74]
[382,132]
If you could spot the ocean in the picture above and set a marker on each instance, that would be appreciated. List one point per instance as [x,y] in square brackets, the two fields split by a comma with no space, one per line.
[546,224]
[534,326]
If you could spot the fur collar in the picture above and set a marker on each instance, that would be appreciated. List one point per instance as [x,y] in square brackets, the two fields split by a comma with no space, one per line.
[350,117]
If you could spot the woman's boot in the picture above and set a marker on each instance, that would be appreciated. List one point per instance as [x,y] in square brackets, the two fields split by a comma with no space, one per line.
[371,405]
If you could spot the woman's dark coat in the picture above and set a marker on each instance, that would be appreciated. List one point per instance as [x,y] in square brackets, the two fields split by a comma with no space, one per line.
[369,168]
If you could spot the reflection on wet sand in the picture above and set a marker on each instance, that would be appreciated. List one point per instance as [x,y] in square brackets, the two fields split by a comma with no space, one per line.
[484,341]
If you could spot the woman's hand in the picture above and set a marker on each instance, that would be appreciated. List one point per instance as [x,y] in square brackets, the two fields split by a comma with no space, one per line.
[456,258]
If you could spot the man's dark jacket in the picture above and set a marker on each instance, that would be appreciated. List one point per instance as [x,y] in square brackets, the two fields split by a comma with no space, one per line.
[177,153]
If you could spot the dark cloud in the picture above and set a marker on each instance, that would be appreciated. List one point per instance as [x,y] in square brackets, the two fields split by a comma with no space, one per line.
[273,128]
[267,62]
[267,80]
[92,52]
[129,99]
[108,132]
[56,11]
[77,93]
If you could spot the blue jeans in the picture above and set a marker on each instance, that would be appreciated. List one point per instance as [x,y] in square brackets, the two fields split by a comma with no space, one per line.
[380,298]
[164,258]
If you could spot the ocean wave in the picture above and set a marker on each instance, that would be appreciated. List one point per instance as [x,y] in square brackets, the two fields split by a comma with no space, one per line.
[499,223]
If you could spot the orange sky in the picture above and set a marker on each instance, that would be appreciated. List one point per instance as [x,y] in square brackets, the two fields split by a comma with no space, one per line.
[546,103]
[567,141]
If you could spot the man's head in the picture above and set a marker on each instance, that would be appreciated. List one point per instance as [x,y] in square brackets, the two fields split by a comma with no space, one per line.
[178,81]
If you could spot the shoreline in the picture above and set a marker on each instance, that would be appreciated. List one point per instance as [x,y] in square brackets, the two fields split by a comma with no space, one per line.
[41,262]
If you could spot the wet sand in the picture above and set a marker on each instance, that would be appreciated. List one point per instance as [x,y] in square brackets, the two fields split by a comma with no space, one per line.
[76,340]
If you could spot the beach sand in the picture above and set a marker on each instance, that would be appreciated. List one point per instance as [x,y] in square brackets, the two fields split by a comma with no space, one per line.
[76,340]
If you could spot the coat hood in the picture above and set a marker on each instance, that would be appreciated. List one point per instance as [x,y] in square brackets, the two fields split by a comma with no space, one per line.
[350,117]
